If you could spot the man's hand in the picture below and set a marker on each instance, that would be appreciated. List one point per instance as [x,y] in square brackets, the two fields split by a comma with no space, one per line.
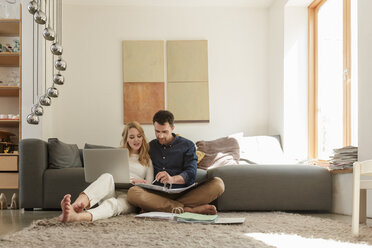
[164,177]
[136,180]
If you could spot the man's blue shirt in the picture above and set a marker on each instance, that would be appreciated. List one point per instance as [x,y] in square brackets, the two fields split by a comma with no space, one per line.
[177,158]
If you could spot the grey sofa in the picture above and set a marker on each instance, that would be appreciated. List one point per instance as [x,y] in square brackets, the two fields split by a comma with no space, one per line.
[247,187]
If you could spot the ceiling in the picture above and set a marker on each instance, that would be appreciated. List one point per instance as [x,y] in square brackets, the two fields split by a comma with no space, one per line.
[248,3]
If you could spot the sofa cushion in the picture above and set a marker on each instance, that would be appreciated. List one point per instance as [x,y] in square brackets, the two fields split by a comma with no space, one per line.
[62,155]
[262,150]
[219,152]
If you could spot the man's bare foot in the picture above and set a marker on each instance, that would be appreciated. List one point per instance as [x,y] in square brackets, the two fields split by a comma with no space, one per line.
[80,203]
[202,209]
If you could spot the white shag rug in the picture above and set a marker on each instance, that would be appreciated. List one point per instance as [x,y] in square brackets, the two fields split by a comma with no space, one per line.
[260,229]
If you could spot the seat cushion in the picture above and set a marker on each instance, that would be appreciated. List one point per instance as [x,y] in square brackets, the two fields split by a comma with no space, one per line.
[274,187]
[59,182]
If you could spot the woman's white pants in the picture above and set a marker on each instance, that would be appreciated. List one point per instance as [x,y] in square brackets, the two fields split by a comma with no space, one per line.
[111,202]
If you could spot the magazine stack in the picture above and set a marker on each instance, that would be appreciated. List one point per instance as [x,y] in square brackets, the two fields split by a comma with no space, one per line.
[343,158]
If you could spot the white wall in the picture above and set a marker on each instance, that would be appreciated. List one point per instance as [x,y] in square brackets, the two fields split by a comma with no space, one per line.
[287,69]
[364,74]
[276,67]
[343,183]
[90,106]
[365,86]
[295,84]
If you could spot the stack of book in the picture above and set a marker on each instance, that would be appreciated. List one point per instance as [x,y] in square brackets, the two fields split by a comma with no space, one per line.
[343,158]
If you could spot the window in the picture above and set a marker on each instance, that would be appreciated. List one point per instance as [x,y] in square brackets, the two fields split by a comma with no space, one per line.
[330,115]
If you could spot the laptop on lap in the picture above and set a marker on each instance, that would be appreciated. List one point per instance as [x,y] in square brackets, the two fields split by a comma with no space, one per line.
[113,161]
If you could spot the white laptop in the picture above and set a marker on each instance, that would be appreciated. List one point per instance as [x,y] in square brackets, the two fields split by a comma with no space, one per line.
[113,161]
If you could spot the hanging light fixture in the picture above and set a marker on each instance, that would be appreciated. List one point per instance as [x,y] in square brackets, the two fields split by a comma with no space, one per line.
[39,15]
[48,32]
[60,64]
[56,49]
[32,7]
[52,32]
[53,92]
[58,78]
[37,110]
[33,118]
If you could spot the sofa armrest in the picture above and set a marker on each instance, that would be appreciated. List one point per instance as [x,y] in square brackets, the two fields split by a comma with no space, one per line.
[33,161]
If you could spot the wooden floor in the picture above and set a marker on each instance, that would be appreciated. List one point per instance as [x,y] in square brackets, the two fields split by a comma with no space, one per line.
[15,220]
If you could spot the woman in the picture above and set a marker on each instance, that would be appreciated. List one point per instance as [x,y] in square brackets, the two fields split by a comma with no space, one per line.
[102,190]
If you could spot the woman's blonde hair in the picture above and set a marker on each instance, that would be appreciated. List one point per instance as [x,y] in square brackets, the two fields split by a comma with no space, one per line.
[143,153]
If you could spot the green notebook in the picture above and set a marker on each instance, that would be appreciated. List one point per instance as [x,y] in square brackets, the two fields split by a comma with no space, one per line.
[196,218]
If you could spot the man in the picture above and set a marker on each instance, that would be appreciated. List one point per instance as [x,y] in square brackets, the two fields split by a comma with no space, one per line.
[174,160]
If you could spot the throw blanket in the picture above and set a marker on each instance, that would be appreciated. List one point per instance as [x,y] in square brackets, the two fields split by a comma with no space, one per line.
[219,152]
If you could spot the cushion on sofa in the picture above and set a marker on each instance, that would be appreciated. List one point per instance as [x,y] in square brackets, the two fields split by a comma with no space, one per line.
[262,150]
[62,155]
[219,152]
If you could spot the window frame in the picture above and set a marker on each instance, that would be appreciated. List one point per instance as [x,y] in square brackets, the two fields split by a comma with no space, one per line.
[313,75]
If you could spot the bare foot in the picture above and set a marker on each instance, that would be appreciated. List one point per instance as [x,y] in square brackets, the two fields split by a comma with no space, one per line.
[68,212]
[65,199]
[78,207]
[80,203]
[69,215]
[202,209]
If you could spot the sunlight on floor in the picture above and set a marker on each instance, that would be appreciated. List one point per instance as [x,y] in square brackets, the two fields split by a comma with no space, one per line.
[290,240]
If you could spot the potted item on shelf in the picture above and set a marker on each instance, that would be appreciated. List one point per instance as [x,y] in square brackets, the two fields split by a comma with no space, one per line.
[8,48]
[3,48]
[6,146]
[16,46]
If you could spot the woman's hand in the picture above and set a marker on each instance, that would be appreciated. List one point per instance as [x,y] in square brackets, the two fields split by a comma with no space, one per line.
[137,180]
